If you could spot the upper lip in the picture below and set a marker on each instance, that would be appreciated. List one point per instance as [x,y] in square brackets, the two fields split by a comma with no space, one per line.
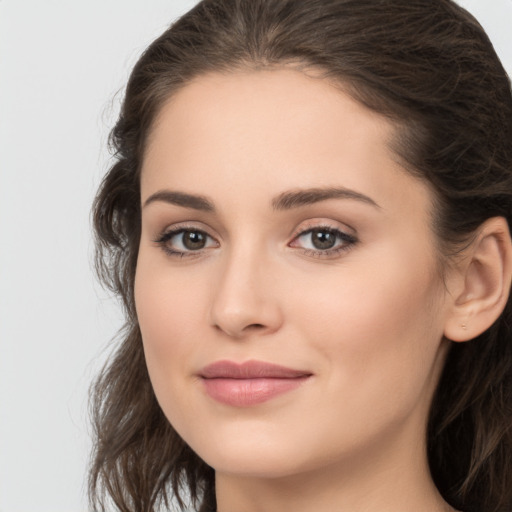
[249,370]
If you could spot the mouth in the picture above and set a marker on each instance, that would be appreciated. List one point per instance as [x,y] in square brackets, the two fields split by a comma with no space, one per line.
[249,383]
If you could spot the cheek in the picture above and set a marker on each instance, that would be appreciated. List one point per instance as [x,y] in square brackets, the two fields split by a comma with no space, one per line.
[374,337]
[376,324]
[168,312]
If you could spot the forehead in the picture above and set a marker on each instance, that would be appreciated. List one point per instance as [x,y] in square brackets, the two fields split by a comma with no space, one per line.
[255,98]
[233,133]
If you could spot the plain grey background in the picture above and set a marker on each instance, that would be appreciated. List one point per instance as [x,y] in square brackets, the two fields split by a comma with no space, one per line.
[62,65]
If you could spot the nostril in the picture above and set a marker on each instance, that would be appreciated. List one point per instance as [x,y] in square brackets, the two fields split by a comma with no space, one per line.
[247,327]
[255,326]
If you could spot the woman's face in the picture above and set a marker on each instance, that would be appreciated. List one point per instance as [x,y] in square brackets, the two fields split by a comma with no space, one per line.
[278,227]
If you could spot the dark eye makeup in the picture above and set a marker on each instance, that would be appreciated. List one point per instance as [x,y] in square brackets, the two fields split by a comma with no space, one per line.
[318,241]
[185,242]
[323,241]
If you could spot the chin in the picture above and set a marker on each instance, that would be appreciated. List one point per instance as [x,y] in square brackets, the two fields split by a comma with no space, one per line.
[251,455]
[253,465]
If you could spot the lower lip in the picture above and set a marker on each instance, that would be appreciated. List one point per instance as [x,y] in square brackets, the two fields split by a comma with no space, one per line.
[247,392]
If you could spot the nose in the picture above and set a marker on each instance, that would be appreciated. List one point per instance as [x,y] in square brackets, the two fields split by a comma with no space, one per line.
[245,301]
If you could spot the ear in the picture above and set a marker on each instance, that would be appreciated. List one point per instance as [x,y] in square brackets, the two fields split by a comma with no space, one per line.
[481,288]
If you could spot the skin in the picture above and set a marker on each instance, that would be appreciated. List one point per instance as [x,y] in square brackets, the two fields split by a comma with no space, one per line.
[367,321]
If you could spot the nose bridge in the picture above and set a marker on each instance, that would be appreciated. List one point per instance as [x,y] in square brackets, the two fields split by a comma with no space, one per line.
[243,300]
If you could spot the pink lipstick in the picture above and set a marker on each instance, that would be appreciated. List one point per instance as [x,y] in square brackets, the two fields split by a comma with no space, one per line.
[249,383]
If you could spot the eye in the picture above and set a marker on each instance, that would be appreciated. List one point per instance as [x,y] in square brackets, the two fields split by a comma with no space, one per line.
[185,241]
[323,241]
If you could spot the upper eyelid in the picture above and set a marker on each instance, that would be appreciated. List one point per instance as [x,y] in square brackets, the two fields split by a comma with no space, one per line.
[346,236]
[303,228]
[318,224]
[320,228]
[185,226]
[168,234]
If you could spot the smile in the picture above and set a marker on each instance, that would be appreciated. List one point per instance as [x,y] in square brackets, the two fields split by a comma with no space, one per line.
[250,383]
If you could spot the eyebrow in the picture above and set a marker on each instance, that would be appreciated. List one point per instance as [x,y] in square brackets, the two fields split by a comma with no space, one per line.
[296,199]
[195,202]
[284,201]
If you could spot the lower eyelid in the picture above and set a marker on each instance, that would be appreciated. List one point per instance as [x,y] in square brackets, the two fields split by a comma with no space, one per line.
[335,253]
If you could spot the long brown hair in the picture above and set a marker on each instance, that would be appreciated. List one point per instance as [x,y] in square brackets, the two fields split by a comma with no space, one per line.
[429,67]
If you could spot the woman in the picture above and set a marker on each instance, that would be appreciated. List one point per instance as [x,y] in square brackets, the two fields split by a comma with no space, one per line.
[308,222]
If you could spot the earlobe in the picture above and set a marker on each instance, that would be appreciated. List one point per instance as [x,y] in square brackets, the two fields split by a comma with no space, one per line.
[485,281]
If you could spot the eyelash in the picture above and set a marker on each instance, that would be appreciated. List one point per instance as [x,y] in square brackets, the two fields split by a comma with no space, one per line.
[340,236]
[348,241]
[164,238]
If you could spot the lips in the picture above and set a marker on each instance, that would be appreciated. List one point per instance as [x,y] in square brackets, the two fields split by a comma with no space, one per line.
[249,383]
[249,370]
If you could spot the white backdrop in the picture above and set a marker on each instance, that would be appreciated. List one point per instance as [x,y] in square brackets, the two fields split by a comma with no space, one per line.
[61,64]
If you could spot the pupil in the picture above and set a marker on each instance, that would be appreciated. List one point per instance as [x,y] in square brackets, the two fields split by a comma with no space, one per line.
[194,240]
[323,239]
